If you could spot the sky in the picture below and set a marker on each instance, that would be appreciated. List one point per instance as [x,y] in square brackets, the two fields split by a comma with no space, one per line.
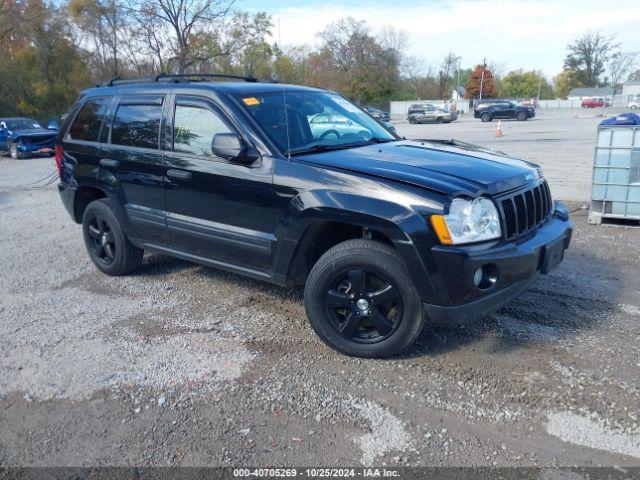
[515,34]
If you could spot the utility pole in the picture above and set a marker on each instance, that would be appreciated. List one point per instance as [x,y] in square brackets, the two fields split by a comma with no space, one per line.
[484,67]
[539,88]
[458,81]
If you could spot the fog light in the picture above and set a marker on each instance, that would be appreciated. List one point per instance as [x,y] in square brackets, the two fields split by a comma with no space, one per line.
[485,276]
[477,277]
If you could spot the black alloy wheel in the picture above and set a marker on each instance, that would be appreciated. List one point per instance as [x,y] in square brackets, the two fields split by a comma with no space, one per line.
[102,239]
[107,243]
[363,306]
[361,300]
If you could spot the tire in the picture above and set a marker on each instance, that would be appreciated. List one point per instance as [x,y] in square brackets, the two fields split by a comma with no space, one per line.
[485,117]
[633,107]
[344,302]
[108,246]
[412,121]
[522,116]
[14,152]
[439,120]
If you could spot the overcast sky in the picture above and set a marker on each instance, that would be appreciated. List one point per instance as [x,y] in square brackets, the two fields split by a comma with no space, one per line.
[529,34]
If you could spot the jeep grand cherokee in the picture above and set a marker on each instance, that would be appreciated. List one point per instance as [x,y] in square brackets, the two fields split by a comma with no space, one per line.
[382,232]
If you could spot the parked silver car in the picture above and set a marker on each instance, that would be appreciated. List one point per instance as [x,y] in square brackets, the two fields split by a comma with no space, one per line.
[429,113]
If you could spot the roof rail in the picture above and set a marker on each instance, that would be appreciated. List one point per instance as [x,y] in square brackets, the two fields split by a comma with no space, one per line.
[188,76]
[168,77]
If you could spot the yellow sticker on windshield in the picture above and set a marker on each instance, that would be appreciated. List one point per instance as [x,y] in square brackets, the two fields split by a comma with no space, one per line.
[251,101]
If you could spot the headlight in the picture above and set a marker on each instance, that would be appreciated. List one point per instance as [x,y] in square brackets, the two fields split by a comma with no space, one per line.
[468,221]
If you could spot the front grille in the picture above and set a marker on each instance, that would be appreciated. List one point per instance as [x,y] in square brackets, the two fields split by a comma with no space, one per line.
[39,140]
[525,210]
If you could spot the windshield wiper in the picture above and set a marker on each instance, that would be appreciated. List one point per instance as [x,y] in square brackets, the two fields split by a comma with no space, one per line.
[326,148]
[321,147]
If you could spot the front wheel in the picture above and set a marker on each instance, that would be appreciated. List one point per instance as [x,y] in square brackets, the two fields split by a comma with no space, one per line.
[14,152]
[439,120]
[521,116]
[361,301]
[108,246]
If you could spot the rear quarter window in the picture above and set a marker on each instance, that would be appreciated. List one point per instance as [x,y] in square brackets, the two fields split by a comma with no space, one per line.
[87,124]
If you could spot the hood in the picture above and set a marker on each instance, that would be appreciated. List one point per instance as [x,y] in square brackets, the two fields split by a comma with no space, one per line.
[32,132]
[449,167]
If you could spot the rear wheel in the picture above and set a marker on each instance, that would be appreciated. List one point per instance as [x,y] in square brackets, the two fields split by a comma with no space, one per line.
[439,120]
[361,301]
[521,116]
[108,246]
[485,117]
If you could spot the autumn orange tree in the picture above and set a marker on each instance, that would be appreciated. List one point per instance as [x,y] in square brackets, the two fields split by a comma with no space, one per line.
[475,79]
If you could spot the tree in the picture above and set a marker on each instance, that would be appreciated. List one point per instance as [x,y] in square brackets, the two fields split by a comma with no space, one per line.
[520,84]
[354,62]
[445,80]
[183,22]
[588,56]
[101,22]
[621,65]
[565,82]
[480,75]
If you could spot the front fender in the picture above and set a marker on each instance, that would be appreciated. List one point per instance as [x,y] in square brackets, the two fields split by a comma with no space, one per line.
[398,215]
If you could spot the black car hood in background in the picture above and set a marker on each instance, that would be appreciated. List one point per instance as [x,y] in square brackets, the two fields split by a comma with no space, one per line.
[450,169]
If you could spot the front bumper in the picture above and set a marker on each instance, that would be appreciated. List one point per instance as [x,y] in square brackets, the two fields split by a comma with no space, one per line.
[36,149]
[516,264]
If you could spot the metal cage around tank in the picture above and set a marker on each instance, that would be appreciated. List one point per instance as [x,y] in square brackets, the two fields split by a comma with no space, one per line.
[616,174]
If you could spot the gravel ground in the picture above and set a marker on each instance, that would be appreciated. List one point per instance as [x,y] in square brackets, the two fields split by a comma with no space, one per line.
[179,364]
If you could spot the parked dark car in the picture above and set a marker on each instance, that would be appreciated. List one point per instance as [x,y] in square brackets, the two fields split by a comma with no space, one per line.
[378,114]
[22,137]
[429,113]
[488,110]
[379,230]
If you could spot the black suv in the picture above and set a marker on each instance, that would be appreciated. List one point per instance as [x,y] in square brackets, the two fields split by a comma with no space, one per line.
[487,110]
[236,175]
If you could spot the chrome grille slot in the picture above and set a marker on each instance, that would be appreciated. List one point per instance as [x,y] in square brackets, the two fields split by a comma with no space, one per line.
[523,211]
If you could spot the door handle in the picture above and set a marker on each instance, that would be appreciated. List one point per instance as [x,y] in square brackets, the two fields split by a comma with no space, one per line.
[179,174]
[109,163]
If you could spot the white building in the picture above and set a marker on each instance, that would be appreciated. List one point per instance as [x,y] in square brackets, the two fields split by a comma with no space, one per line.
[590,92]
[631,92]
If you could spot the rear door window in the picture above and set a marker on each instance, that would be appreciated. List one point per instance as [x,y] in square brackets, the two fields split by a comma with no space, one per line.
[137,126]
[88,122]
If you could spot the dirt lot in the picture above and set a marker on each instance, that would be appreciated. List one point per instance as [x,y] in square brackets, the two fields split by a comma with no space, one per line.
[184,365]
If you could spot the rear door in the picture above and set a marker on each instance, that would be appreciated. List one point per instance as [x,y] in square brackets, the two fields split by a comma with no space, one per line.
[132,164]
[217,210]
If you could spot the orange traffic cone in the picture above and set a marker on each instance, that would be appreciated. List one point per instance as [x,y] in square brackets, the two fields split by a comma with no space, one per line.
[499,129]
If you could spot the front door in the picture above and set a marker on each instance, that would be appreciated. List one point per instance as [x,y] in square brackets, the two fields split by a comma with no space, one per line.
[217,210]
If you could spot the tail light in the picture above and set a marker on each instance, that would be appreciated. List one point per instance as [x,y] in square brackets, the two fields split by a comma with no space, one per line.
[58,157]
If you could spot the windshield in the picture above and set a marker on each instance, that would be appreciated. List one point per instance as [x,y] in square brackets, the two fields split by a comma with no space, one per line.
[313,121]
[22,123]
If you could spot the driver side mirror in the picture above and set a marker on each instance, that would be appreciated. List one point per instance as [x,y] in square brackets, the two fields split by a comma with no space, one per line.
[232,147]
[53,125]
